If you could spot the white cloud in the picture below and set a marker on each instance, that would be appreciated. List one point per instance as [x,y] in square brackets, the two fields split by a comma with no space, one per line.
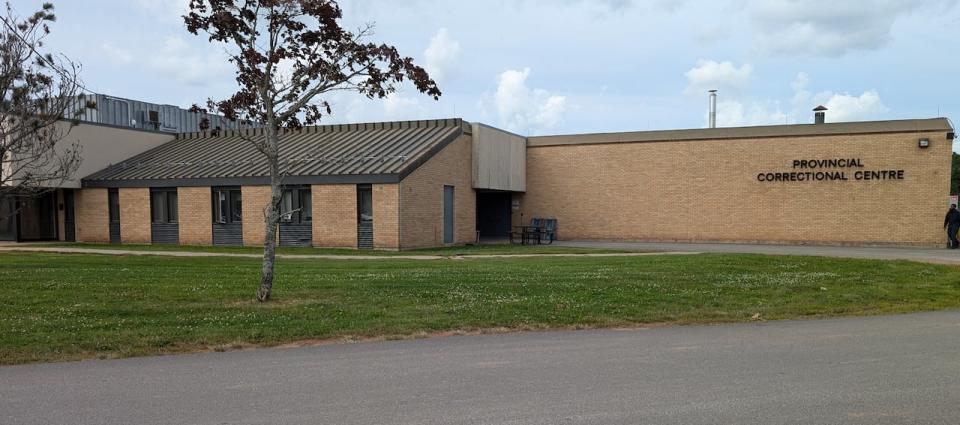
[724,76]
[442,54]
[734,111]
[176,59]
[846,107]
[165,10]
[828,28]
[523,109]
[116,55]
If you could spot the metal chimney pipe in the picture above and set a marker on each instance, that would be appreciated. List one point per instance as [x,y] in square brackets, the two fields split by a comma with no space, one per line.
[713,109]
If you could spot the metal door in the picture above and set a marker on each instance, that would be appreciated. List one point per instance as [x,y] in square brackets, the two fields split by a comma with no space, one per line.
[448,214]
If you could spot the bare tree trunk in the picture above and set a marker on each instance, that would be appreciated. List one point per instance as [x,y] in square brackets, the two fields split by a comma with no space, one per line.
[271,214]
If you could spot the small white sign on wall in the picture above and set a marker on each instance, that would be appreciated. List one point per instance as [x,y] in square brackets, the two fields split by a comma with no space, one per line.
[953,200]
[515,205]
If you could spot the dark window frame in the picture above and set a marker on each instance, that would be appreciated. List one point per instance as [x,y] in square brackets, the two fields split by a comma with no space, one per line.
[169,213]
[296,214]
[113,205]
[232,213]
[364,193]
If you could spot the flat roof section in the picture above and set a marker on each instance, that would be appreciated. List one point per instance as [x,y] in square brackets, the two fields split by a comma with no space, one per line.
[766,131]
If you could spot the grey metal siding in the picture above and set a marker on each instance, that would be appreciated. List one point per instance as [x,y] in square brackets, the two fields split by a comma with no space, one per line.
[296,234]
[365,235]
[228,234]
[117,111]
[166,233]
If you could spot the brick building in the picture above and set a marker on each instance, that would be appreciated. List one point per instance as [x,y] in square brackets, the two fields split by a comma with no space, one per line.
[414,184]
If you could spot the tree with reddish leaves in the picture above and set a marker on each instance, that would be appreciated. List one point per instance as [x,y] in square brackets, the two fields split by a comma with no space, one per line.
[288,54]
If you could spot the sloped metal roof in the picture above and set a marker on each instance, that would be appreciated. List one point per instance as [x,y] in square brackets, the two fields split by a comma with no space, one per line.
[348,153]
[790,130]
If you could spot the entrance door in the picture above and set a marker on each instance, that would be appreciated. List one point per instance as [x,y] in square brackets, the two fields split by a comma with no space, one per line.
[493,214]
[69,217]
[448,214]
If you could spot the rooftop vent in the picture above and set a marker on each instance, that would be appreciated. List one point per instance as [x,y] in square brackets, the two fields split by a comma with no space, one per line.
[713,109]
[819,114]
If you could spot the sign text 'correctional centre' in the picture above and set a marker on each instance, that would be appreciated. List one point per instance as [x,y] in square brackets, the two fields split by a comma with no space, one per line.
[830,175]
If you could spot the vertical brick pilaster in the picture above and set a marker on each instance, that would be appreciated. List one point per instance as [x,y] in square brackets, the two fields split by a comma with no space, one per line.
[255,198]
[135,215]
[386,216]
[334,215]
[92,215]
[194,206]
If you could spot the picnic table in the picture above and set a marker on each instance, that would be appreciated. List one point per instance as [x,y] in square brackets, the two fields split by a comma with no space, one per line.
[539,231]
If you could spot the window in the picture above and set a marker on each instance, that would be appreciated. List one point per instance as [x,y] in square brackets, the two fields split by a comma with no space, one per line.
[113,207]
[226,205]
[364,203]
[286,206]
[295,206]
[163,205]
[306,208]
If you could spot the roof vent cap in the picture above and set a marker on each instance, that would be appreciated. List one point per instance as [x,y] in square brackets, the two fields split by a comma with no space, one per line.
[819,114]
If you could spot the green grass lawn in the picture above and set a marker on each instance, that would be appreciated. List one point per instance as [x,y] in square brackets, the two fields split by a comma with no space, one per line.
[63,307]
[448,251]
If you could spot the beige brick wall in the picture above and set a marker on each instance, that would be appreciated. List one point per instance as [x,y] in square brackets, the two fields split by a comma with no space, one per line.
[421,198]
[135,215]
[255,198]
[708,190]
[93,221]
[195,216]
[334,215]
[386,216]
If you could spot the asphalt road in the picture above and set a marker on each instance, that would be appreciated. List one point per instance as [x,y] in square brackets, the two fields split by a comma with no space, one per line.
[926,255]
[889,369]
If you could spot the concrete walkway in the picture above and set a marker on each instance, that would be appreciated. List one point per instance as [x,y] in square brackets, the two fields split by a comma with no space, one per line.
[873,370]
[69,250]
[926,255]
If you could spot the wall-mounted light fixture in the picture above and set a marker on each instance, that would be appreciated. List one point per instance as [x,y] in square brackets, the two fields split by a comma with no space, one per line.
[924,143]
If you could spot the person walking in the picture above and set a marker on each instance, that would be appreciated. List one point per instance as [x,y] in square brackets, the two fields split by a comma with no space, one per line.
[952,223]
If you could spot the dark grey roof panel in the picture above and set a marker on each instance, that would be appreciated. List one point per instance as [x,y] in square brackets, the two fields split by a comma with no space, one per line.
[374,152]
[791,130]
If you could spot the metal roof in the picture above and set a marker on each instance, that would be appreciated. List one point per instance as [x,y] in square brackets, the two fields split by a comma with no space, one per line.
[348,153]
[791,130]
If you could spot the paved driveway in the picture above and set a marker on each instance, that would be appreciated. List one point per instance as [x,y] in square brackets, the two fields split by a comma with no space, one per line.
[928,255]
[877,370]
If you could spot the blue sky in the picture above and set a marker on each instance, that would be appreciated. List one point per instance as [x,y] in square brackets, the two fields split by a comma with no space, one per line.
[570,66]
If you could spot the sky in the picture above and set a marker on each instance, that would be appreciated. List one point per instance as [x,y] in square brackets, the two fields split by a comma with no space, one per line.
[539,67]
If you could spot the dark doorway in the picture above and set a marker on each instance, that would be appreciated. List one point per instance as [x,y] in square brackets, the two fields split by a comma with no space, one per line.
[69,217]
[38,217]
[493,214]
[8,218]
